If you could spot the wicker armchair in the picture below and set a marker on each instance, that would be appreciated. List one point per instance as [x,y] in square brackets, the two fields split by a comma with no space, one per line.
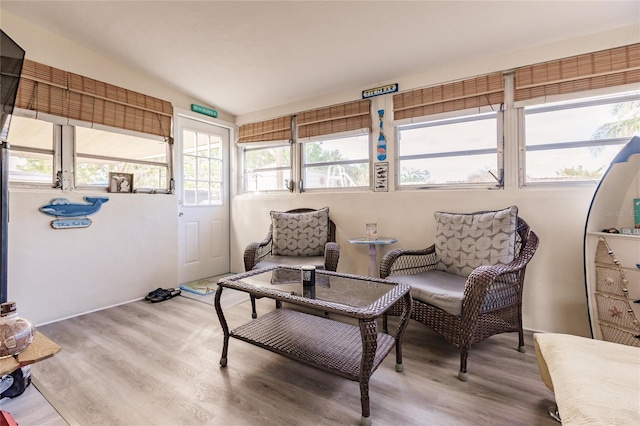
[259,254]
[491,295]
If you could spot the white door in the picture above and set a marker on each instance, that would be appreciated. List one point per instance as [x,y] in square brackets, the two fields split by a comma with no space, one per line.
[202,160]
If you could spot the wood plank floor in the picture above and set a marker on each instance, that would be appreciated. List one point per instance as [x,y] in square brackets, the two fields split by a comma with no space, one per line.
[157,364]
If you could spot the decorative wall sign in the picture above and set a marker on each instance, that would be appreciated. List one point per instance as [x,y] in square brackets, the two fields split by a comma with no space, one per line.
[61,207]
[380,177]
[381,149]
[120,182]
[70,223]
[204,110]
[382,90]
[72,212]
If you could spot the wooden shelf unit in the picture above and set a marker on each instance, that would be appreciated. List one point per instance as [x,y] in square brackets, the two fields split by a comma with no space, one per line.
[611,260]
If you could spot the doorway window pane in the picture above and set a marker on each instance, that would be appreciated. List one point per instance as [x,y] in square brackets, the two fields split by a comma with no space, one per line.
[202,168]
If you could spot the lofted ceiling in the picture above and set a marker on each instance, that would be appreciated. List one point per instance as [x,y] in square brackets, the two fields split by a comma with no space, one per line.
[247,56]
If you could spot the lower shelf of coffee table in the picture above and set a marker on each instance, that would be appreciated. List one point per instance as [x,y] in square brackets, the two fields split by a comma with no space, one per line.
[330,345]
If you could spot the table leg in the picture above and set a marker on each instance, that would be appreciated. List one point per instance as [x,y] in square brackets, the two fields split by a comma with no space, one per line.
[402,325]
[373,261]
[223,324]
[369,334]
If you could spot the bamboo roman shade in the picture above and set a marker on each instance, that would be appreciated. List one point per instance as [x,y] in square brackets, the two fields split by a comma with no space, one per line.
[277,129]
[335,119]
[471,93]
[53,91]
[606,68]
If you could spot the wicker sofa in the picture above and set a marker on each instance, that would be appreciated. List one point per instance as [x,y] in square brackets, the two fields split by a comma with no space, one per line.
[465,309]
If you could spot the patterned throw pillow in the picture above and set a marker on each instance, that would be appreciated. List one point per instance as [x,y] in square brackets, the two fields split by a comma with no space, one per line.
[466,241]
[300,234]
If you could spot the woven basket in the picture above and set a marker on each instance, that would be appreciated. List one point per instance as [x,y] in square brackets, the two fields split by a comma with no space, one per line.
[616,318]
[612,333]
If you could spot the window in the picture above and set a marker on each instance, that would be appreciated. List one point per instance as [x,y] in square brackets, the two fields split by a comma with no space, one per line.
[202,168]
[31,157]
[267,167]
[332,149]
[336,162]
[65,141]
[266,155]
[576,140]
[99,152]
[461,150]
[447,134]
[36,155]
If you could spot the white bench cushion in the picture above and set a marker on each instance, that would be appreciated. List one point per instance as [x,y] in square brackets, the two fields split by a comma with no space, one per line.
[595,382]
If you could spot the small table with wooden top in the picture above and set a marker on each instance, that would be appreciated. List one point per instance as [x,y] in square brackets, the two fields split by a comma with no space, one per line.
[40,349]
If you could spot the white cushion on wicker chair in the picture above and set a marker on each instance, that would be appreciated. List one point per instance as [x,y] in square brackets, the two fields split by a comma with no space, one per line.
[466,241]
[317,261]
[436,288]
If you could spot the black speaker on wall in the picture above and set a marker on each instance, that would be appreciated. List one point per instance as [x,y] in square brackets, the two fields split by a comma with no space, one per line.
[11,60]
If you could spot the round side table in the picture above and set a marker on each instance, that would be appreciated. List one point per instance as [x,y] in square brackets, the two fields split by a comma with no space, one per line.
[373,251]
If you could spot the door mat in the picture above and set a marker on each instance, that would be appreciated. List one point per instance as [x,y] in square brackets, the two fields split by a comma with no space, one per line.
[204,286]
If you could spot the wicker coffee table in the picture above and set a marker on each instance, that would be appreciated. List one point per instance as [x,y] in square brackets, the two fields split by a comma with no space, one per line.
[349,351]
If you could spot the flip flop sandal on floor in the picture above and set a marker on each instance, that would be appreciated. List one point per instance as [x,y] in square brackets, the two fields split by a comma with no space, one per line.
[159,292]
[156,292]
[160,295]
[157,295]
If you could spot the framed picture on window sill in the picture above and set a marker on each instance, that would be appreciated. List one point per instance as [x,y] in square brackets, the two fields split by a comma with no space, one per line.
[121,182]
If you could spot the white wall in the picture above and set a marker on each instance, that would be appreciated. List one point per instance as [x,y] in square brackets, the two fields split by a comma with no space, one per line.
[50,49]
[129,250]
[554,295]
[58,273]
[131,247]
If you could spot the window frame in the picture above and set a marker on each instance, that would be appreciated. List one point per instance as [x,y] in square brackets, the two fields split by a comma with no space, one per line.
[256,146]
[208,159]
[302,166]
[76,156]
[55,152]
[65,154]
[561,103]
[460,116]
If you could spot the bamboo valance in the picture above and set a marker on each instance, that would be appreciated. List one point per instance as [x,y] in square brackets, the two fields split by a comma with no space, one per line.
[606,68]
[335,119]
[53,91]
[471,93]
[277,129]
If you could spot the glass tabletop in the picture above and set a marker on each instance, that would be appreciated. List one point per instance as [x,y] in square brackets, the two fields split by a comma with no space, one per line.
[350,290]
[377,241]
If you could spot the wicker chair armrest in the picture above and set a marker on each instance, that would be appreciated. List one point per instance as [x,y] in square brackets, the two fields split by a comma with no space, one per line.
[254,252]
[491,287]
[331,256]
[407,261]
